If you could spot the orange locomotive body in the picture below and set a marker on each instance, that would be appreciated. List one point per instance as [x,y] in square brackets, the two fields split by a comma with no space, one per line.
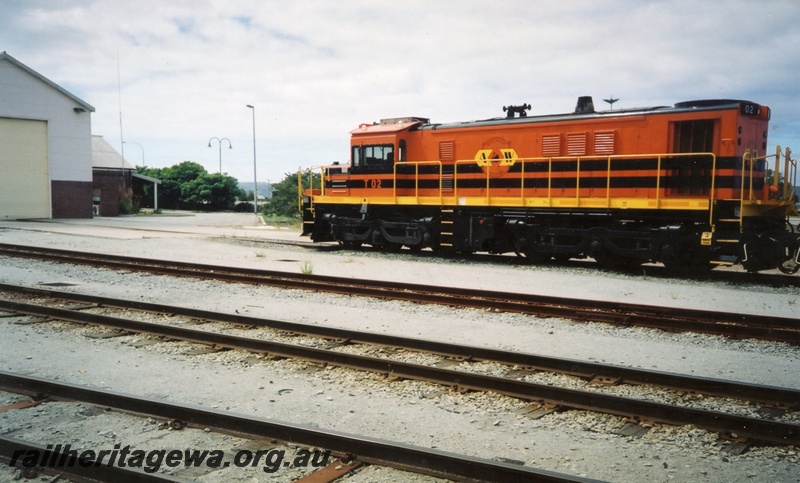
[683,185]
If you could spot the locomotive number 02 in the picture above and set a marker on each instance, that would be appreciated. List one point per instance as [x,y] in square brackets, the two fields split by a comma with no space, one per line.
[749,109]
[372,183]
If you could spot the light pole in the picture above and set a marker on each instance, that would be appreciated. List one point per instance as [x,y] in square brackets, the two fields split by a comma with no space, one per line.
[144,165]
[140,147]
[255,177]
[219,142]
[124,178]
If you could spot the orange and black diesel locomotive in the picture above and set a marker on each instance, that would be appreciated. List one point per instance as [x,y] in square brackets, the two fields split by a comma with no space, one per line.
[684,185]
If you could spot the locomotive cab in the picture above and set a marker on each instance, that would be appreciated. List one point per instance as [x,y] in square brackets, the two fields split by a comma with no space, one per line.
[374,148]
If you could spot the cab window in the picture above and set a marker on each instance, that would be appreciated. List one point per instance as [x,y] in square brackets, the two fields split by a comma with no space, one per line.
[373,157]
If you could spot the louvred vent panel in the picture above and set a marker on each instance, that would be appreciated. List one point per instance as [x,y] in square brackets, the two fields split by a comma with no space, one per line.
[446,150]
[576,144]
[551,145]
[604,142]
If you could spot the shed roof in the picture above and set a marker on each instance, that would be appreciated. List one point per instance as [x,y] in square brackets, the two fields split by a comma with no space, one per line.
[104,156]
[5,56]
[146,178]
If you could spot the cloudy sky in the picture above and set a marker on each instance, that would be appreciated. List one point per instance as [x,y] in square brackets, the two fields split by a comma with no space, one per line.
[182,72]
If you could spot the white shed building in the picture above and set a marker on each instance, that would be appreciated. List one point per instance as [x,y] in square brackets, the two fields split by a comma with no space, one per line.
[45,147]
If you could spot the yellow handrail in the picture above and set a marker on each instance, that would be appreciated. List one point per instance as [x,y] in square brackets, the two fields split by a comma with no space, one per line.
[300,193]
[310,172]
[608,182]
[712,193]
[659,157]
[580,160]
[788,176]
[416,165]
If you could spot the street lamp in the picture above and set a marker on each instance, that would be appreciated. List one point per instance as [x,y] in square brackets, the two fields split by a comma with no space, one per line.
[219,142]
[144,165]
[140,147]
[255,177]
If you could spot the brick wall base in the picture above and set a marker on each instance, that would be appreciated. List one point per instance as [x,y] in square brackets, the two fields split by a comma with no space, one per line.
[71,199]
[107,186]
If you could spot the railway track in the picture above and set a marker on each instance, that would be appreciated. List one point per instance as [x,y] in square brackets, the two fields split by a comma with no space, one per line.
[607,373]
[352,447]
[772,328]
[756,429]
[736,277]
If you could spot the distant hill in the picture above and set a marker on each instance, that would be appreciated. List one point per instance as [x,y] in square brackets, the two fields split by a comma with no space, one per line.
[264,188]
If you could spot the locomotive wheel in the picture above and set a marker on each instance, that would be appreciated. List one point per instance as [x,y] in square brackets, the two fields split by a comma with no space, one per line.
[692,265]
[392,247]
[789,268]
[351,245]
[608,261]
[678,268]
[536,257]
[615,262]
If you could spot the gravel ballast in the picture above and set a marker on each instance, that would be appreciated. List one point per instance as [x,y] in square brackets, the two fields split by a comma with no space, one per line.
[486,425]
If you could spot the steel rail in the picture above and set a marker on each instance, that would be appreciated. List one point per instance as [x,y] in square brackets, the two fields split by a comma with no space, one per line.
[753,428]
[369,450]
[85,470]
[772,395]
[763,327]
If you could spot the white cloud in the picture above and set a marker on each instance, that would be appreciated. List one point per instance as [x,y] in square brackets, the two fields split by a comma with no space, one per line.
[314,70]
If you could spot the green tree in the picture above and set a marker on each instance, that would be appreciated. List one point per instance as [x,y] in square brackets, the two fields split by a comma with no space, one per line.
[185,171]
[211,192]
[285,195]
[169,191]
[189,185]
